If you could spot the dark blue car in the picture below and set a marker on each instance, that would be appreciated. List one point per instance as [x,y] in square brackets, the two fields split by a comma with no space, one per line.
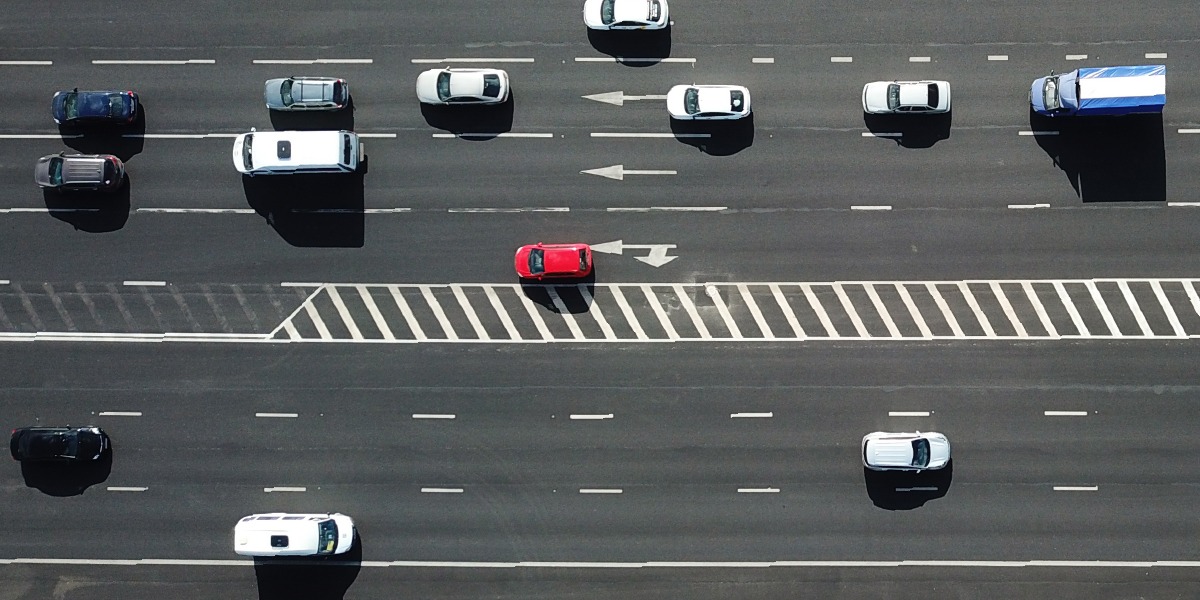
[74,106]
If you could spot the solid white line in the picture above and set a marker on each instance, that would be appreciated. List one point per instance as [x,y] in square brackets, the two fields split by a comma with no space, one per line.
[1005,305]
[179,136]
[848,306]
[435,61]
[594,310]
[918,59]
[611,59]
[768,490]
[35,136]
[3,282]
[690,308]
[46,210]
[917,489]
[997,57]
[507,134]
[663,319]
[145,283]
[1029,206]
[473,318]
[1076,488]
[873,134]
[965,290]
[1076,57]
[113,488]
[1065,413]
[870,207]
[1133,306]
[751,415]
[377,135]
[1156,55]
[285,489]
[877,302]
[788,313]
[667,208]
[1185,203]
[1027,133]
[591,417]
[566,315]
[815,304]
[1102,307]
[531,308]
[755,312]
[653,135]
[911,413]
[627,311]
[1189,131]
[763,61]
[506,320]
[778,564]
[509,210]
[1043,316]
[26,63]
[600,490]
[376,316]
[432,490]
[213,211]
[270,415]
[841,59]
[314,61]
[191,61]
[115,413]
[945,308]
[431,416]
[438,312]
[1172,318]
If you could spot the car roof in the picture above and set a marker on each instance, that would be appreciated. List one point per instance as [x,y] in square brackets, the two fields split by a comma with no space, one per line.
[914,93]
[83,169]
[561,258]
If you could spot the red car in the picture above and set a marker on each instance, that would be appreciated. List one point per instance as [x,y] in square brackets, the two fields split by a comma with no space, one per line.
[553,260]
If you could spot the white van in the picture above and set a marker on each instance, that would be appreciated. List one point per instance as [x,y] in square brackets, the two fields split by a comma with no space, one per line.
[284,534]
[286,152]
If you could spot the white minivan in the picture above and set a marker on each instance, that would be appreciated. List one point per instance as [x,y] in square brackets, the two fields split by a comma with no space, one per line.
[285,534]
[287,152]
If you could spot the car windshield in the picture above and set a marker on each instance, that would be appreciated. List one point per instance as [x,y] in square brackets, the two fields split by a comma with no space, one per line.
[537,261]
[491,86]
[285,92]
[606,11]
[920,453]
[443,85]
[55,170]
[71,105]
[248,152]
[893,96]
[328,534]
[1050,96]
[691,101]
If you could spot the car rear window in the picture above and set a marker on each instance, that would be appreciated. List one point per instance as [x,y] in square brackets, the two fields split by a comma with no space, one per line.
[933,95]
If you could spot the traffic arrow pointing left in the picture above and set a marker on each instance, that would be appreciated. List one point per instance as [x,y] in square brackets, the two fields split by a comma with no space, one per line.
[618,98]
[619,172]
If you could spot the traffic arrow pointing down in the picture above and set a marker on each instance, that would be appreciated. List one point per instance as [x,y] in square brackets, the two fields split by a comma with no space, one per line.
[656,258]
[619,172]
[619,98]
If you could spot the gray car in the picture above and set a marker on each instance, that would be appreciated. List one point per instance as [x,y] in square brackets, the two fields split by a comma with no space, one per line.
[306,93]
[62,171]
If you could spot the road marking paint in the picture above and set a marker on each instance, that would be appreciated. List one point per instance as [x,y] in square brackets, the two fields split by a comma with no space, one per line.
[870,207]
[46,210]
[303,284]
[815,304]
[472,318]
[1071,310]
[1156,55]
[882,310]
[180,136]
[755,312]
[965,290]
[1184,203]
[918,59]
[3,282]
[652,135]
[37,136]
[377,135]
[145,283]
[1109,321]
[819,564]
[1133,307]
[1065,413]
[502,313]
[666,208]
[316,319]
[600,490]
[184,211]
[1007,307]
[910,413]
[499,134]
[763,61]
[751,415]
[841,59]
[869,134]
[788,313]
[1076,488]
[591,417]
[917,489]
[1189,130]
[1190,290]
[190,61]
[1076,57]
[531,308]
[594,310]
[117,413]
[1020,206]
[114,488]
[314,61]
[561,308]
[376,316]
[26,63]
[511,210]
[1172,318]
[435,61]
[848,306]
[690,308]
[997,57]
[767,490]
[1040,132]
[438,312]
[663,320]
[1043,316]
[435,490]
[285,489]
[270,415]
[627,311]
[431,416]
[622,59]
[714,293]
[344,313]
[945,308]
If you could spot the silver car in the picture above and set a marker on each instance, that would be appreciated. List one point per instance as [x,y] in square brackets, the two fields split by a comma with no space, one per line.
[306,93]
[463,86]
[62,171]
[917,451]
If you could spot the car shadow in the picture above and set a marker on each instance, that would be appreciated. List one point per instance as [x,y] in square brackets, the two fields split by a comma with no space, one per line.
[311,210]
[121,141]
[304,577]
[66,479]
[92,212]
[569,292]
[906,490]
[910,131]
[716,138]
[475,123]
[314,120]
[633,48]
[1107,159]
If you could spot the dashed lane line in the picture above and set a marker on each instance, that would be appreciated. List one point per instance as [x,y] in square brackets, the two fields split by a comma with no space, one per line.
[1065,413]
[751,415]
[313,61]
[190,61]
[447,417]
[114,488]
[1076,488]
[276,415]
[600,490]
[26,63]
[625,59]
[689,565]
[441,490]
[116,413]
[498,134]
[437,61]
[592,417]
[909,413]
[766,490]
[284,489]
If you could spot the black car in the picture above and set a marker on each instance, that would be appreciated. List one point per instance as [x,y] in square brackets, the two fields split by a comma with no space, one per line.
[74,106]
[72,444]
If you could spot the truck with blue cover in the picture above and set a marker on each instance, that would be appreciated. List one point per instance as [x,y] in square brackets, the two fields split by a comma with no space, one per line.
[1096,91]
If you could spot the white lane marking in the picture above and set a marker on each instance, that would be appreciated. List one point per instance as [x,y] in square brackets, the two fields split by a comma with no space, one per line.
[311,310]
[653,135]
[376,316]
[1043,316]
[434,490]
[506,320]
[1071,310]
[3,282]
[145,283]
[627,311]
[473,318]
[945,308]
[377,135]
[155,338]
[841,59]
[870,207]
[190,61]
[566,315]
[271,415]
[690,308]
[762,61]
[777,564]
[663,319]
[1133,306]
[591,417]
[344,313]
[880,134]
[600,490]
[285,489]
[26,63]
[116,488]
[917,489]
[997,57]
[618,172]
[431,416]
[1040,132]
[767,490]
[1102,307]
[848,306]
[1018,206]
[979,316]
[510,210]
[1076,57]
[531,308]
[918,59]
[751,415]
[594,310]
[46,210]
[435,61]
[211,211]
[117,413]
[1191,293]
[1189,131]
[1065,413]
[498,134]
[612,59]
[1185,203]
[36,136]
[815,304]
[1076,488]
[1156,55]
[714,292]
[180,136]
[314,61]
[913,311]
[877,302]
[910,413]
[788,313]
[438,312]
[1008,310]
[755,312]
[667,208]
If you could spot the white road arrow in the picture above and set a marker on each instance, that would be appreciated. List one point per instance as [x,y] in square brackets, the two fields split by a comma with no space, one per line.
[657,257]
[619,172]
[619,98]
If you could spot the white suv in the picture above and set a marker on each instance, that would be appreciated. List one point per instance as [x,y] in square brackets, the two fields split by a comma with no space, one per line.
[883,451]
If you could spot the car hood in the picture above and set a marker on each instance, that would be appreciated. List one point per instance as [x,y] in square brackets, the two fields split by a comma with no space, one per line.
[41,171]
[1037,94]
[675,99]
[875,97]
[427,86]
[521,261]
[939,451]
[58,106]
[271,93]
[91,444]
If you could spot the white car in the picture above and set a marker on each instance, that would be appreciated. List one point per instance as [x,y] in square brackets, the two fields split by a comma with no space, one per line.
[693,102]
[883,451]
[463,86]
[284,534]
[625,14]
[906,97]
